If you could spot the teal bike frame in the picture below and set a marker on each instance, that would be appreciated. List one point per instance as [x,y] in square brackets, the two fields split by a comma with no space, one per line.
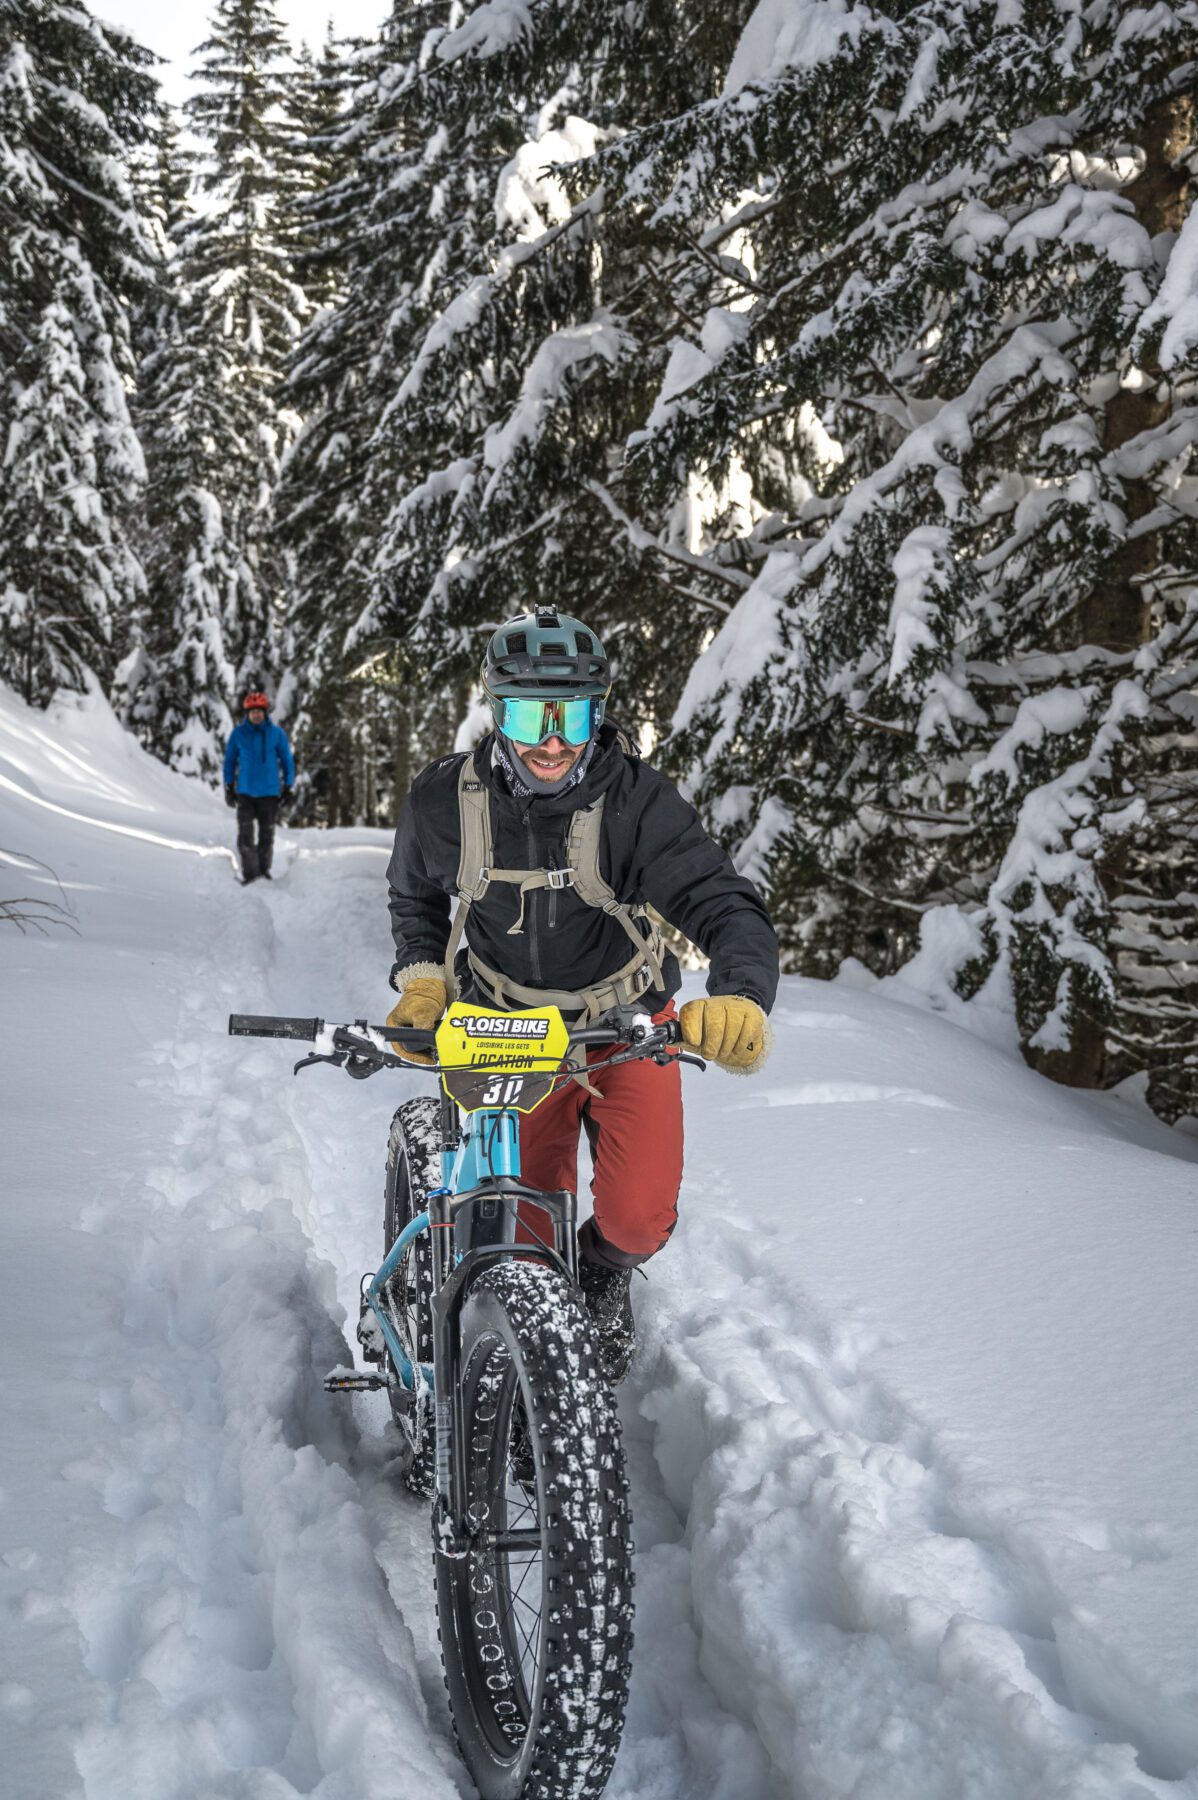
[488,1150]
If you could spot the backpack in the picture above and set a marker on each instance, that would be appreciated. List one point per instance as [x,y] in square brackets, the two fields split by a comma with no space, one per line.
[624,986]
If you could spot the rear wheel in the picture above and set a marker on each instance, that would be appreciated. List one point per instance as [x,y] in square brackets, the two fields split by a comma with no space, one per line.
[413,1167]
[536,1618]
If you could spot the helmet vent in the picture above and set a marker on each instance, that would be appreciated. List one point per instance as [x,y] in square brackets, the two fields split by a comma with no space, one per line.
[516,641]
[554,650]
[585,642]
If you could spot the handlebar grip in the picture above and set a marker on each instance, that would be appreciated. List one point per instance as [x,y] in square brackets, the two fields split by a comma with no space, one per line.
[412,1037]
[264,1025]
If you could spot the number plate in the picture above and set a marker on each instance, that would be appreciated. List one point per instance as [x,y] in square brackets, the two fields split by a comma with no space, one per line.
[500,1060]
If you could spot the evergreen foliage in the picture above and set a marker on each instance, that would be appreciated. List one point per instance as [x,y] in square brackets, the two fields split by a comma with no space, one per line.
[75,98]
[549,328]
[955,697]
[178,688]
[236,274]
[319,93]
[379,226]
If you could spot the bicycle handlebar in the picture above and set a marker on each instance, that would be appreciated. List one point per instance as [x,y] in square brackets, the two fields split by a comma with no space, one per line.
[264,1025]
[268,1025]
[358,1050]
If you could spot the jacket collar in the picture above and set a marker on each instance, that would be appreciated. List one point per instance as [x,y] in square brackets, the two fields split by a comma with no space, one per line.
[605,768]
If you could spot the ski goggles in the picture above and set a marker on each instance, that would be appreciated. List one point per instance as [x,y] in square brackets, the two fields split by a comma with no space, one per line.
[531,721]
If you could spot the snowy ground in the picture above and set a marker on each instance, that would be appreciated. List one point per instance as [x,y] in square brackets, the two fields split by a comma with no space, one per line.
[912,1425]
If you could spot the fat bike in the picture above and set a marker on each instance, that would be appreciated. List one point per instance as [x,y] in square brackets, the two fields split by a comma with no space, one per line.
[475,1326]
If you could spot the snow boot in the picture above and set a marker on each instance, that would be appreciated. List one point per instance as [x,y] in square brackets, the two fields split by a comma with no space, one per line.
[606,1292]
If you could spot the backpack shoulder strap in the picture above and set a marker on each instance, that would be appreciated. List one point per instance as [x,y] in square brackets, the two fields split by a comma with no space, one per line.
[474,859]
[474,819]
[582,857]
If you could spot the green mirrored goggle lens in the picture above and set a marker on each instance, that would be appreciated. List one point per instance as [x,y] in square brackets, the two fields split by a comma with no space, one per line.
[532,721]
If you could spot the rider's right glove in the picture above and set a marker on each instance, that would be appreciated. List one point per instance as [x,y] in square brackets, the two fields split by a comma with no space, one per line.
[730,1029]
[422,1001]
[230,797]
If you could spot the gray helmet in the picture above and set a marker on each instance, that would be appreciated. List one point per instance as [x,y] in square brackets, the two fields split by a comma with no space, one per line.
[545,652]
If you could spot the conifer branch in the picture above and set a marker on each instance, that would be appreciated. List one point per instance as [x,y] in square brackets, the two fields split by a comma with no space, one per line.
[645,540]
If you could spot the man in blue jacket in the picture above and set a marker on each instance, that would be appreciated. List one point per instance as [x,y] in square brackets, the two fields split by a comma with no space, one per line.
[259,777]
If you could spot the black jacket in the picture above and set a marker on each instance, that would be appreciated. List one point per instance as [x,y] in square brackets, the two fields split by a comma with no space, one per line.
[654,850]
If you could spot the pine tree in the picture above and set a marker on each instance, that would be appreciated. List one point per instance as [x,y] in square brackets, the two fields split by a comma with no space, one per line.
[551,321]
[235,268]
[952,701]
[322,159]
[75,100]
[356,716]
[179,689]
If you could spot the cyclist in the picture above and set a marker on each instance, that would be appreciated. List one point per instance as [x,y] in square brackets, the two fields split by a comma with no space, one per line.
[259,778]
[555,837]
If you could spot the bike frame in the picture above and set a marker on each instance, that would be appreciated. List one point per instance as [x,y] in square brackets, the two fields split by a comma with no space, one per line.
[472,1220]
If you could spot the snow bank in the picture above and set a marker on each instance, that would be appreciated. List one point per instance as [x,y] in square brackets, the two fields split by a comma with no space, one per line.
[920,1372]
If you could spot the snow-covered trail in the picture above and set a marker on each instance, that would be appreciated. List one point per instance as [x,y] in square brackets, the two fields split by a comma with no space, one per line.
[911,1430]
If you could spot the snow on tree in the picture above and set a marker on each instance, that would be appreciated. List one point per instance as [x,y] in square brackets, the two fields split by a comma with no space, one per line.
[380,225]
[502,442]
[319,93]
[75,99]
[236,270]
[951,709]
[177,687]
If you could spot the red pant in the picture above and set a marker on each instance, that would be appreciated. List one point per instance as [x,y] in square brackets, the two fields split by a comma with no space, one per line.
[635,1133]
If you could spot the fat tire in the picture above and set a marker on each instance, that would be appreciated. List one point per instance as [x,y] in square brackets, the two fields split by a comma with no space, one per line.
[413,1167]
[529,1353]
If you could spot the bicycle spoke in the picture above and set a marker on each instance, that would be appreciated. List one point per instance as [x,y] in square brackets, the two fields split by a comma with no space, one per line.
[533,1562]
[530,1642]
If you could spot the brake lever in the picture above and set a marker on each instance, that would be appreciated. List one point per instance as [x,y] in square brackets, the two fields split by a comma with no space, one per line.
[306,1062]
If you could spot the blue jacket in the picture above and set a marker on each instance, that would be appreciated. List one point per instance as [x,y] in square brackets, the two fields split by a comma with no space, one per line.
[256,756]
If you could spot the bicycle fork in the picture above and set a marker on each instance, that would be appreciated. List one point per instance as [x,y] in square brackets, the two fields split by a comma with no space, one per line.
[468,1232]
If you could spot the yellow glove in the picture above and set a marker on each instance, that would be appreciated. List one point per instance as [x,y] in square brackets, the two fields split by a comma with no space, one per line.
[728,1029]
[421,1003]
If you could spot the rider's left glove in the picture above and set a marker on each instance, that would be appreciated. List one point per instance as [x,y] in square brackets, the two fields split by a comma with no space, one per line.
[730,1029]
[422,1002]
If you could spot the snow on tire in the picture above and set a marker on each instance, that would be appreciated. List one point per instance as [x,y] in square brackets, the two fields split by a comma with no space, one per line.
[537,1644]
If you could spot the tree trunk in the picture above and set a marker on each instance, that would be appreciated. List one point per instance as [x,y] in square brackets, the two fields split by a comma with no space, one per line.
[1117,614]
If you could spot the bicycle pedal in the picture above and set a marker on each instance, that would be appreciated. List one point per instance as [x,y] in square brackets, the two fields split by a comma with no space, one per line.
[352,1381]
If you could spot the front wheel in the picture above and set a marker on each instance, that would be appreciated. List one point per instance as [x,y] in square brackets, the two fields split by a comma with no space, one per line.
[536,1618]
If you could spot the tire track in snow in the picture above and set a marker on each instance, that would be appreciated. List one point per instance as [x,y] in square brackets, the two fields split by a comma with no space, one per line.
[888,1635]
[241,1624]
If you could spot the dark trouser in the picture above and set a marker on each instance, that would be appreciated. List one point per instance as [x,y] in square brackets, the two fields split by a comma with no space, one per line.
[635,1133]
[260,810]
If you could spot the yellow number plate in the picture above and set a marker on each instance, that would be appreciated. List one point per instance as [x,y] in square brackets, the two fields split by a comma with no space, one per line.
[496,1059]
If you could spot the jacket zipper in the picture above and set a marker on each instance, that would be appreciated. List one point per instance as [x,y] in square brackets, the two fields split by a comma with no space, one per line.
[531,909]
[552,863]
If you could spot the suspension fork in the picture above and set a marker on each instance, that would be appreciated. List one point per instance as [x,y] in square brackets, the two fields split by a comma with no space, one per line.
[458,1258]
